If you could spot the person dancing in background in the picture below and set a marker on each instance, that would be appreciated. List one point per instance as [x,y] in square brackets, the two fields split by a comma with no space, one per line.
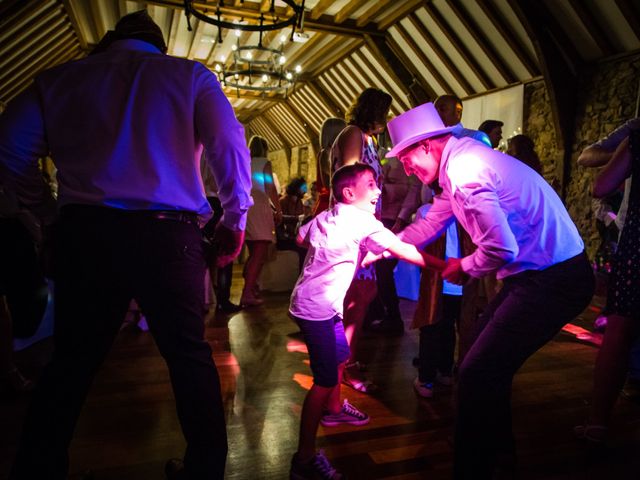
[366,118]
[623,295]
[261,220]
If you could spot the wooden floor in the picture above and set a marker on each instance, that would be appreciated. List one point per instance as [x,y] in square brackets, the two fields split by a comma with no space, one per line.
[129,428]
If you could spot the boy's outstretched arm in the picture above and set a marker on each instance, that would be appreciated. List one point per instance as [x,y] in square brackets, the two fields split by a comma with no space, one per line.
[409,253]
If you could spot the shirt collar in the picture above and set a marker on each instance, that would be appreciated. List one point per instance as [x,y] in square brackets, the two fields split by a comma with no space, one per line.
[134,44]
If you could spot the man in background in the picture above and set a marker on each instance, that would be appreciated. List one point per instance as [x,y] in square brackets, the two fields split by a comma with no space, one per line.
[126,127]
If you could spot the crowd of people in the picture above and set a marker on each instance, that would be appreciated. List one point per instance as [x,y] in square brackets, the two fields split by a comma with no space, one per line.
[135,201]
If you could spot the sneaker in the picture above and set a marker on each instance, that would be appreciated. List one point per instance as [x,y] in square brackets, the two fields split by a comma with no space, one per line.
[349,415]
[317,468]
[443,379]
[423,389]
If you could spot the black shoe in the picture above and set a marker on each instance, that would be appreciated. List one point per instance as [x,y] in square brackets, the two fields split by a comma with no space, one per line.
[388,327]
[228,307]
[174,469]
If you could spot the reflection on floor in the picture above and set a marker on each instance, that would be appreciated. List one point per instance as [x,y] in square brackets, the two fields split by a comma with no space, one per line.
[128,427]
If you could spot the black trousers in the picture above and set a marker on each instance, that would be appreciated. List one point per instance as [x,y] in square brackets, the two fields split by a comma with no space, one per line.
[102,259]
[438,341]
[223,274]
[387,294]
[529,310]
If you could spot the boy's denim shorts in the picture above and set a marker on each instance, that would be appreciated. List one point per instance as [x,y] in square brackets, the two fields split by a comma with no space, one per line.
[327,346]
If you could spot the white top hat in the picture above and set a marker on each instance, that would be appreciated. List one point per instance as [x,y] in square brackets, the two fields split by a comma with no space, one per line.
[413,126]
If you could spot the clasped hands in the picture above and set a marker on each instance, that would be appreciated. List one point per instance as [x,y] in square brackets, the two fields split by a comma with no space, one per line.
[452,271]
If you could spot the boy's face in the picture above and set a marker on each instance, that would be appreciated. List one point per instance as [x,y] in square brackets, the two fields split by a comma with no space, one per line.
[365,193]
[419,161]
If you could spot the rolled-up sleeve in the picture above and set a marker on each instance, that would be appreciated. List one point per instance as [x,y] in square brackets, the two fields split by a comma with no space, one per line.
[226,150]
[487,223]
[22,143]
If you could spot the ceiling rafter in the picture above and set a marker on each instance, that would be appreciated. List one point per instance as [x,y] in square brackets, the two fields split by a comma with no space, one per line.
[311,132]
[417,51]
[407,7]
[631,14]
[371,12]
[381,79]
[506,31]
[198,31]
[325,97]
[306,49]
[336,56]
[75,24]
[350,76]
[459,46]
[36,33]
[332,44]
[440,53]
[47,62]
[398,70]
[319,9]
[347,93]
[475,31]
[313,102]
[337,93]
[173,30]
[347,10]
[593,27]
[250,11]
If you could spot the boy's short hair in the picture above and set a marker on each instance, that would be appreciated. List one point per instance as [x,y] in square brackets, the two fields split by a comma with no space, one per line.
[347,176]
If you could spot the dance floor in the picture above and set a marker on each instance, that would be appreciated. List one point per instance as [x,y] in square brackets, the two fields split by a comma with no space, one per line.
[128,428]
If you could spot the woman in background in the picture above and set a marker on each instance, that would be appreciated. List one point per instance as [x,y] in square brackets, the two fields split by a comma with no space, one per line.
[366,118]
[330,129]
[261,220]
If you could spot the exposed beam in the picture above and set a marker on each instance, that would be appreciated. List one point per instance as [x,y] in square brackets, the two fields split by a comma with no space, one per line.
[440,53]
[332,44]
[407,7]
[399,70]
[326,98]
[195,40]
[311,133]
[325,23]
[318,10]
[72,13]
[231,93]
[471,25]
[274,127]
[335,56]
[459,46]
[593,27]
[422,57]
[304,50]
[347,10]
[366,16]
[560,76]
[631,15]
[386,85]
[503,27]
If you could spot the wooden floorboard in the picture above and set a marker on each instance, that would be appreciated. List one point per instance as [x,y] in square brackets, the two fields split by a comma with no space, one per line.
[128,428]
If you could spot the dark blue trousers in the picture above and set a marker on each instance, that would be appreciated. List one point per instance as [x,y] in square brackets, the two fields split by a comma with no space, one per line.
[102,259]
[529,311]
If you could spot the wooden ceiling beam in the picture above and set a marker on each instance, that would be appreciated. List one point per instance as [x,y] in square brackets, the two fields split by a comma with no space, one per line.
[440,53]
[409,80]
[593,27]
[631,15]
[407,7]
[333,105]
[318,10]
[385,84]
[231,93]
[503,27]
[371,12]
[335,56]
[559,73]
[420,55]
[459,46]
[471,25]
[72,13]
[347,10]
[312,134]
[325,23]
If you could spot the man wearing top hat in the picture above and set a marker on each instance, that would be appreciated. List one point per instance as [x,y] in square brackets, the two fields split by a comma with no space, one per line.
[524,235]
[126,128]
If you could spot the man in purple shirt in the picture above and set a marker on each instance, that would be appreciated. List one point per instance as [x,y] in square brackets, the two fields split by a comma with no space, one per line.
[525,236]
[126,127]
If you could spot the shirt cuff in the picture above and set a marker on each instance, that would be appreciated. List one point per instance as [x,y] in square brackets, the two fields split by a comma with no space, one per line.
[468,266]
[234,221]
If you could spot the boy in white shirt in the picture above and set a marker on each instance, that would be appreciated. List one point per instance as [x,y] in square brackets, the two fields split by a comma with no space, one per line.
[338,240]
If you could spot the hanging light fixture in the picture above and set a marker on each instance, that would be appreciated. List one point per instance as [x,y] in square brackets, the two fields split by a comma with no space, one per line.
[253,67]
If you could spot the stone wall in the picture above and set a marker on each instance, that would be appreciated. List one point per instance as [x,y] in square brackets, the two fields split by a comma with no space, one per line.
[607,96]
